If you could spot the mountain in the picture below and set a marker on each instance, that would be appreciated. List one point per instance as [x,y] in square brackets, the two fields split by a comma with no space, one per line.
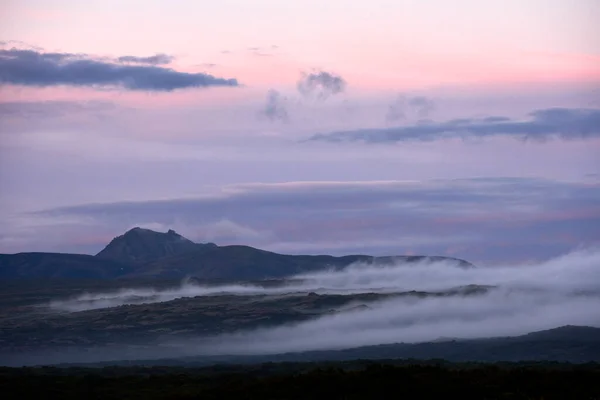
[139,246]
[146,253]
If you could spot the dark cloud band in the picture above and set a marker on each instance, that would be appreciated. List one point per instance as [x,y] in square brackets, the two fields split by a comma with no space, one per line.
[33,68]
[157,59]
[489,218]
[563,123]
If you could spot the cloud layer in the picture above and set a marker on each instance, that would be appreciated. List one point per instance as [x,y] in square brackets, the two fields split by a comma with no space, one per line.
[36,68]
[562,123]
[476,219]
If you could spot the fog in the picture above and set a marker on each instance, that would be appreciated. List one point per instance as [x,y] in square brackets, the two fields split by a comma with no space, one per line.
[499,313]
[523,299]
[574,272]
[563,291]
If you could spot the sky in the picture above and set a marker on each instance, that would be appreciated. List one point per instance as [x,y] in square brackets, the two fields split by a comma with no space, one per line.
[465,128]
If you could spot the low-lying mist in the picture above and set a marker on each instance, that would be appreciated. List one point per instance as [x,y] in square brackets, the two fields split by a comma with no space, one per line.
[500,312]
[575,272]
[523,299]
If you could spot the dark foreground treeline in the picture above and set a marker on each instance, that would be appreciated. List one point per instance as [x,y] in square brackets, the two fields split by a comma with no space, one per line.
[348,380]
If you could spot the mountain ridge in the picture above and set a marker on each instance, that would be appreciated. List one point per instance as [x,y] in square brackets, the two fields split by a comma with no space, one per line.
[146,253]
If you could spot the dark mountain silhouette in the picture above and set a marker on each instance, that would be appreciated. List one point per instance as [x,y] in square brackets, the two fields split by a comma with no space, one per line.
[146,253]
[58,265]
[247,263]
[139,246]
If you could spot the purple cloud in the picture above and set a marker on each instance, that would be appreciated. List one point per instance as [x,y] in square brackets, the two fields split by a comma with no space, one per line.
[321,84]
[157,59]
[275,107]
[563,123]
[34,68]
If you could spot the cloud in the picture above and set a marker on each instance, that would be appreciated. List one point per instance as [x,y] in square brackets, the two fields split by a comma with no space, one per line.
[485,219]
[275,107]
[20,44]
[225,230]
[562,123]
[409,107]
[320,84]
[34,68]
[157,59]
[51,108]
[423,105]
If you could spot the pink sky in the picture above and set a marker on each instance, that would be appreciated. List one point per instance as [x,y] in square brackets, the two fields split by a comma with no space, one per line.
[377,45]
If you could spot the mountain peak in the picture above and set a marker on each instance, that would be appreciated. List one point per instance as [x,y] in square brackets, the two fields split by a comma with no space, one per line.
[138,229]
[140,245]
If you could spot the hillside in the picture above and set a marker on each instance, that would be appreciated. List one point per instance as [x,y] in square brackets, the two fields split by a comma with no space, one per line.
[58,265]
[83,322]
[146,253]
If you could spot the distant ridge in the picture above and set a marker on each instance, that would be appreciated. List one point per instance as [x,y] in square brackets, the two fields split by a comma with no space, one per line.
[146,253]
